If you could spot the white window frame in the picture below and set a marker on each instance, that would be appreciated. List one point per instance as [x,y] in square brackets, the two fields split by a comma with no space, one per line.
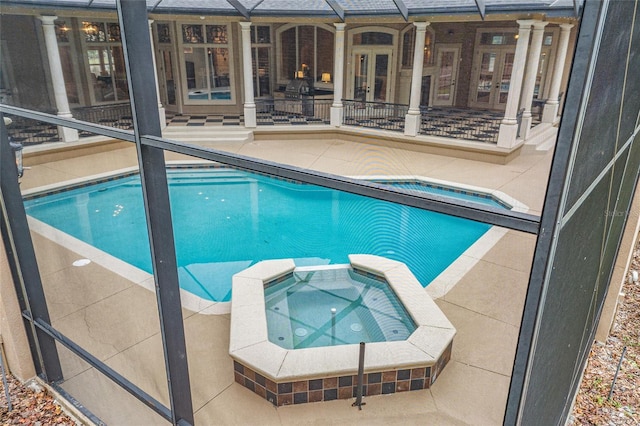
[393,61]
[183,69]
[86,46]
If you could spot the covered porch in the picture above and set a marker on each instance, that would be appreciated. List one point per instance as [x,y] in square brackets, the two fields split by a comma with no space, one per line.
[483,82]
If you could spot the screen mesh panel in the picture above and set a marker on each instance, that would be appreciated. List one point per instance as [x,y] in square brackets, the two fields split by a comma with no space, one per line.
[584,216]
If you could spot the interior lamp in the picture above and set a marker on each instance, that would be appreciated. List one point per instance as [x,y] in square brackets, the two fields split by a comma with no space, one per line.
[326,77]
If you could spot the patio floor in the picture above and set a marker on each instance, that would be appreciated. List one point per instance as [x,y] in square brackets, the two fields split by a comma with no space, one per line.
[111,313]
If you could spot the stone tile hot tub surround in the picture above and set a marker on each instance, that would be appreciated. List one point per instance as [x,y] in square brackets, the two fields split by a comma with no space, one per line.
[293,376]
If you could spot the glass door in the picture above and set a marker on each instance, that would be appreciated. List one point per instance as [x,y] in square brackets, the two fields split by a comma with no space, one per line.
[371,75]
[492,78]
[446,78]
[261,71]
[507,68]
[484,87]
[166,79]
[361,76]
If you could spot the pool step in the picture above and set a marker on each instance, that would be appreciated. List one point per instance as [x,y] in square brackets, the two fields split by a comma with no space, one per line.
[212,134]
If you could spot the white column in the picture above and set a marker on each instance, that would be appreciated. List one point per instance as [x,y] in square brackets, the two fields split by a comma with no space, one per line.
[509,126]
[412,119]
[530,77]
[161,112]
[247,68]
[57,78]
[337,109]
[550,111]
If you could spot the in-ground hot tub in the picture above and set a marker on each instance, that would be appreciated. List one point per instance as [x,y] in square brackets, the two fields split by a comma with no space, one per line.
[285,375]
[333,305]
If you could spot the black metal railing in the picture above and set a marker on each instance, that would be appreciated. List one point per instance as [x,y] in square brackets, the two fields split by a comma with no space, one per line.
[376,115]
[31,132]
[114,115]
[459,123]
[305,110]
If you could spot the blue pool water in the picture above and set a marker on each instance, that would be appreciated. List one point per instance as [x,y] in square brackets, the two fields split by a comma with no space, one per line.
[333,307]
[226,220]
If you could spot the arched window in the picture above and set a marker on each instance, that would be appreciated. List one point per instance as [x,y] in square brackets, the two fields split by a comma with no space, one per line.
[307,48]
[408,46]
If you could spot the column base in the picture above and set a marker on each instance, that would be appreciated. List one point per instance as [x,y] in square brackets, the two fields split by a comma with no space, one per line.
[67,134]
[508,135]
[163,117]
[525,126]
[550,112]
[337,115]
[412,124]
[250,120]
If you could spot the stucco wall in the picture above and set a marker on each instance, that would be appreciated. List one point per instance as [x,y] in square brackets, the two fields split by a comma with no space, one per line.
[14,338]
[619,276]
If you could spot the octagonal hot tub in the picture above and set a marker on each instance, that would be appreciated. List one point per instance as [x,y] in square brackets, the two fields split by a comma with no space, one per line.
[295,331]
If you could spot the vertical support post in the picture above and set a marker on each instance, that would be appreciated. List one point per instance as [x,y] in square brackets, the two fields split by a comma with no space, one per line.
[359,402]
[57,77]
[412,119]
[337,109]
[18,241]
[250,120]
[132,15]
[509,126]
[530,77]
[161,112]
[550,111]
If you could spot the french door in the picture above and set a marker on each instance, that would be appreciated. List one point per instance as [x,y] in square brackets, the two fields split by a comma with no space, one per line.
[371,69]
[492,77]
[447,75]
[166,77]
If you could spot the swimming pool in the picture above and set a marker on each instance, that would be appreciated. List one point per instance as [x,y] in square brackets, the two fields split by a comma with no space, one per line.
[226,220]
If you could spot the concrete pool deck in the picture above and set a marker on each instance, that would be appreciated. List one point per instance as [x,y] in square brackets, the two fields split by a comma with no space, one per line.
[116,319]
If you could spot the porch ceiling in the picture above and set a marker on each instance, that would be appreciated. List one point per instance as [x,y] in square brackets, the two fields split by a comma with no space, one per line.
[340,9]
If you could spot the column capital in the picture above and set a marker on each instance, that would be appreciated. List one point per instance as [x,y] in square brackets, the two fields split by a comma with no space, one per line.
[340,26]
[150,21]
[245,25]
[539,25]
[422,26]
[526,23]
[566,27]
[47,19]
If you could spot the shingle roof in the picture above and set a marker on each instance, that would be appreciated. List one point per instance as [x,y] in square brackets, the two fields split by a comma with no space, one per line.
[328,8]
